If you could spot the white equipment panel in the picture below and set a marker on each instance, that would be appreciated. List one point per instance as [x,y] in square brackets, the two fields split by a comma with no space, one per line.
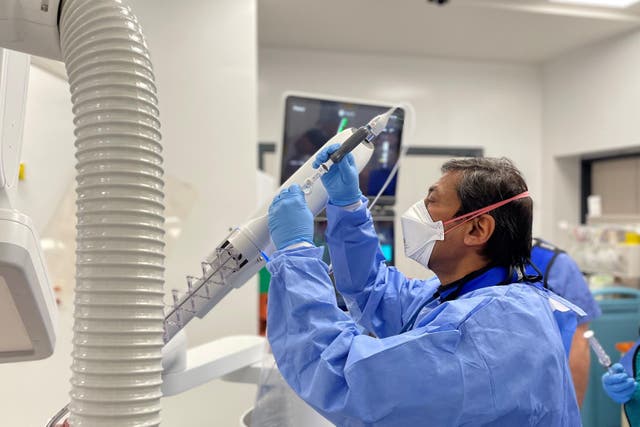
[14,80]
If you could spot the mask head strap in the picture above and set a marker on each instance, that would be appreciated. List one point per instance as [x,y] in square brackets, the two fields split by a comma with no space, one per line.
[475,214]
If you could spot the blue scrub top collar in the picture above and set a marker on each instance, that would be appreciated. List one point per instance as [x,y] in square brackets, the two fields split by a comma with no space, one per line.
[483,278]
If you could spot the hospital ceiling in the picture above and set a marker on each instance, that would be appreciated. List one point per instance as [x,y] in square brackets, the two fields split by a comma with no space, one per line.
[529,31]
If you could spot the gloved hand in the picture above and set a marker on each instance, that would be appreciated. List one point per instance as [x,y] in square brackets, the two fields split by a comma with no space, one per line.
[290,220]
[341,181]
[618,385]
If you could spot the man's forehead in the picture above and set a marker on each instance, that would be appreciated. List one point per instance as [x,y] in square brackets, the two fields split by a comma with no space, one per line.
[447,183]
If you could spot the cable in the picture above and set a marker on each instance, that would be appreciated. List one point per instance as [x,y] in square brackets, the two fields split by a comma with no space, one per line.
[392,175]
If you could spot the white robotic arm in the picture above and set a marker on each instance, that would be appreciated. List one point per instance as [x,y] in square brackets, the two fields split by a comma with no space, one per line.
[120,217]
[233,263]
[245,251]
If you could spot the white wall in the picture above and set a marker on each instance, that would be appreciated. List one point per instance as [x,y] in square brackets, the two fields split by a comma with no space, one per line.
[204,55]
[591,100]
[457,103]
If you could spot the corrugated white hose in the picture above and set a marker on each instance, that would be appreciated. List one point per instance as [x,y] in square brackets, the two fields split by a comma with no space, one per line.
[117,342]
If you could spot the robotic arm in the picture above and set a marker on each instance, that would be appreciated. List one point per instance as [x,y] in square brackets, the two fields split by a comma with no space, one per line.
[233,263]
[245,251]
[120,215]
[31,26]
[120,256]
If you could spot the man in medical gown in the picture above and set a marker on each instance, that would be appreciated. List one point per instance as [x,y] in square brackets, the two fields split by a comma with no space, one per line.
[483,345]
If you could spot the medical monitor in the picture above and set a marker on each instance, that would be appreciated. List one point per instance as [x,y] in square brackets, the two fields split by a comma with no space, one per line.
[310,122]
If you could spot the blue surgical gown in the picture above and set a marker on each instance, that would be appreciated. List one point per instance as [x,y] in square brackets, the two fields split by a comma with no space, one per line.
[491,357]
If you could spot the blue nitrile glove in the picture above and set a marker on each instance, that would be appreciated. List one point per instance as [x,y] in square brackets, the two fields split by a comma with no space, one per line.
[618,385]
[290,220]
[341,181]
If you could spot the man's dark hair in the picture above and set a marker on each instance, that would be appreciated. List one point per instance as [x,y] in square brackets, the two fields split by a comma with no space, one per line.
[485,181]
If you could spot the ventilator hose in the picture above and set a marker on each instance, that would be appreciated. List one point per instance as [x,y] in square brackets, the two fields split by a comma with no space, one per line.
[118,316]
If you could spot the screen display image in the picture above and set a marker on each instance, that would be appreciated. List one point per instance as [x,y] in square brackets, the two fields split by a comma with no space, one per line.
[311,122]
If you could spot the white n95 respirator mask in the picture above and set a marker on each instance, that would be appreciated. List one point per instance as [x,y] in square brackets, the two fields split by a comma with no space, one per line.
[421,233]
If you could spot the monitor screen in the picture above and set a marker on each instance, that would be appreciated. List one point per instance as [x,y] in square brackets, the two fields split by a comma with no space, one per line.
[311,122]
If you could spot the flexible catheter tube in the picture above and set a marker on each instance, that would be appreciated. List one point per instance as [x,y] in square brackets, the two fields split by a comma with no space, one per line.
[118,317]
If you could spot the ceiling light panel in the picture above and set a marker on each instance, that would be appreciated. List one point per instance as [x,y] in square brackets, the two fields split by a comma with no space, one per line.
[620,4]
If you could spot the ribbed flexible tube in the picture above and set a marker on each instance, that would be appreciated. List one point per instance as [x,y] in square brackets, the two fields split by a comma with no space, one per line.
[118,316]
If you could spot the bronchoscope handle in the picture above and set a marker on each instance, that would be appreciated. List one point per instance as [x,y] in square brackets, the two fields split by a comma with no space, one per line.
[348,146]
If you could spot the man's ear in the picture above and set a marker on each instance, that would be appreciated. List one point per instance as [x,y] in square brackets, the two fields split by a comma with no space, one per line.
[481,230]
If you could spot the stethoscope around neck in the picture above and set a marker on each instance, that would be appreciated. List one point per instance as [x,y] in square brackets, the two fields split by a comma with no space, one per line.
[514,275]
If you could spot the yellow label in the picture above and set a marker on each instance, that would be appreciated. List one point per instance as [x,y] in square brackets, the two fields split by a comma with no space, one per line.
[632,238]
